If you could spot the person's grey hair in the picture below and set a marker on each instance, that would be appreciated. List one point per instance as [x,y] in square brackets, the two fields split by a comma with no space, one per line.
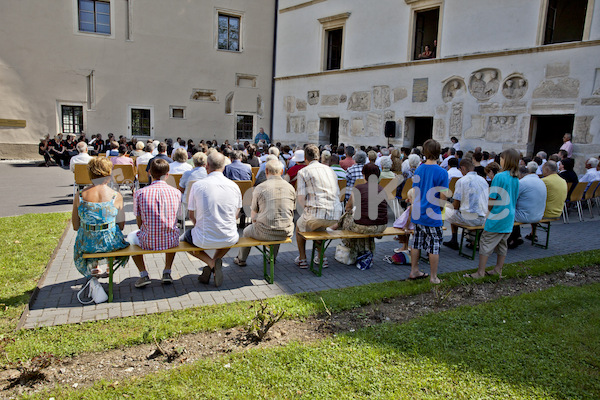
[139,145]
[414,160]
[199,159]
[216,161]
[542,155]
[271,157]
[274,167]
[150,147]
[551,167]
[82,147]
[570,135]
[236,155]
[532,167]
[593,162]
[360,157]
[325,156]
[385,152]
[274,150]
[386,162]
[180,155]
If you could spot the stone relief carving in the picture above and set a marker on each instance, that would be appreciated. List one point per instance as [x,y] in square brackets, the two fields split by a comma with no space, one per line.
[514,87]
[517,107]
[454,87]
[456,120]
[489,108]
[420,88]
[330,100]
[501,128]
[592,101]
[439,130]
[313,97]
[296,124]
[357,127]
[524,136]
[557,70]
[477,129]
[289,104]
[229,103]
[400,94]
[360,101]
[596,87]
[484,83]
[344,125]
[381,97]
[565,88]
[389,115]
[374,124]
[204,95]
[301,105]
[581,130]
[343,98]
[260,105]
[443,109]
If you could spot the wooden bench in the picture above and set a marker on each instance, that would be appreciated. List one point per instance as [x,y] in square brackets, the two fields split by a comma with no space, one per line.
[325,238]
[543,224]
[133,250]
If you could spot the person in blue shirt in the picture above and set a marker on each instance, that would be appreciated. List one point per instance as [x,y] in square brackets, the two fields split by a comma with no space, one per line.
[261,135]
[237,171]
[501,218]
[430,182]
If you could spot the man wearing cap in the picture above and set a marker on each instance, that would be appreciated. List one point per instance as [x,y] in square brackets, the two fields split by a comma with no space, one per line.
[292,173]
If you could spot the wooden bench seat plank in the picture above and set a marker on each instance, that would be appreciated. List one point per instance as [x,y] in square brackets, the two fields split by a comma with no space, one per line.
[324,235]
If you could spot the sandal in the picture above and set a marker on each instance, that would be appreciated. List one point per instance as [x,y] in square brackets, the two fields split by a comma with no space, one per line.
[325,263]
[303,264]
[238,262]
[97,273]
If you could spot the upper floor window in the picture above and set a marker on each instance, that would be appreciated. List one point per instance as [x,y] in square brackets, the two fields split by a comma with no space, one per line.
[565,21]
[333,41]
[94,16]
[229,32]
[426,33]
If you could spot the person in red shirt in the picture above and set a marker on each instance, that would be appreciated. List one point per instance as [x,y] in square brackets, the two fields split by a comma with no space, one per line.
[155,208]
[348,161]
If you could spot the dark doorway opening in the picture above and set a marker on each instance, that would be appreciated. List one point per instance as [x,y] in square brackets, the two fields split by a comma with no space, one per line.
[329,131]
[420,129]
[426,32]
[547,131]
[565,20]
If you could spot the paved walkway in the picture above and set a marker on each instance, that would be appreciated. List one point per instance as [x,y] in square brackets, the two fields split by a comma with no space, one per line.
[56,302]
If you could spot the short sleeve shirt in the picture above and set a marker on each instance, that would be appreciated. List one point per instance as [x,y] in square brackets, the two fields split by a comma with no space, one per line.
[473,192]
[505,190]
[532,199]
[429,180]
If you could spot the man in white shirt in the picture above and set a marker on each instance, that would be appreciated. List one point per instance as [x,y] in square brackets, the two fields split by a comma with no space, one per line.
[544,157]
[470,206]
[452,155]
[213,206]
[145,158]
[453,171]
[82,158]
[592,174]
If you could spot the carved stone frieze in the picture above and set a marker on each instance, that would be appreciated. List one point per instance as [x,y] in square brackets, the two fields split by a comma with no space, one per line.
[344,126]
[374,124]
[456,120]
[581,129]
[592,101]
[439,130]
[296,124]
[301,104]
[453,88]
[477,128]
[204,95]
[441,110]
[420,89]
[515,107]
[489,108]
[381,97]
[484,83]
[357,127]
[557,70]
[343,98]
[313,97]
[389,115]
[330,100]
[502,129]
[514,87]
[400,94]
[289,104]
[360,101]
[566,88]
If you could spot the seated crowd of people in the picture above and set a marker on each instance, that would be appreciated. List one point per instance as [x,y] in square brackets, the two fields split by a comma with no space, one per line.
[309,176]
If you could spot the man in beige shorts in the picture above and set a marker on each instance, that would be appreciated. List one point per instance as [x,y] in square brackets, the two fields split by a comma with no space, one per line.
[318,192]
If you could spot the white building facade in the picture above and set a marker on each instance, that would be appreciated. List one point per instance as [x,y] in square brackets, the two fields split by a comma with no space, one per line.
[495,74]
[139,68]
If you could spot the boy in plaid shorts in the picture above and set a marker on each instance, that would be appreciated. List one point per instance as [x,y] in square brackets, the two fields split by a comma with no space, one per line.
[429,182]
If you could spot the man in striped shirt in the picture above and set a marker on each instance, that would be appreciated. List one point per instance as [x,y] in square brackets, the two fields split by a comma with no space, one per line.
[155,209]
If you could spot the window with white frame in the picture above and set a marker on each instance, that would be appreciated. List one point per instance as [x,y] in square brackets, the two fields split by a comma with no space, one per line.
[565,21]
[71,118]
[94,16]
[333,40]
[177,112]
[244,127]
[228,32]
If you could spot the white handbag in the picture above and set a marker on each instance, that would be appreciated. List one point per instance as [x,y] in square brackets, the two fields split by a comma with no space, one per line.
[96,292]
[343,255]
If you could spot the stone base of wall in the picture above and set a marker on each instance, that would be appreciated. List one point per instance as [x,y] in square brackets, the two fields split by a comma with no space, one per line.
[19,151]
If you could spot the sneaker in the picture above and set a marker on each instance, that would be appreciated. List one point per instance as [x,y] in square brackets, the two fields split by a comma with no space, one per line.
[301,263]
[325,263]
[452,244]
[218,272]
[166,278]
[204,277]
[143,281]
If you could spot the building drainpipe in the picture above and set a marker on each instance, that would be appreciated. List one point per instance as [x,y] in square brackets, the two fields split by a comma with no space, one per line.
[273,71]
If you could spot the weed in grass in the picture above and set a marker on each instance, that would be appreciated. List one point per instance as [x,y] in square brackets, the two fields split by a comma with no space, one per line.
[32,370]
[263,321]
[441,294]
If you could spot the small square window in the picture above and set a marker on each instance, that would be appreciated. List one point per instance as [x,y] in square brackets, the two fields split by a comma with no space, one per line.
[177,112]
[71,119]
[94,16]
[228,32]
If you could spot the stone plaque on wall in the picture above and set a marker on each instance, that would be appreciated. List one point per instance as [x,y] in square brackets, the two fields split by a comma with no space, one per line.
[389,115]
[581,129]
[374,124]
[301,104]
[566,88]
[357,127]
[439,130]
[502,129]
[456,118]
[489,108]
[455,87]
[400,94]
[381,97]
[420,87]
[344,125]
[343,98]
[296,124]
[477,129]
[557,70]
[289,104]
[514,87]
[313,97]
[330,100]
[441,110]
[596,88]
[360,101]
[484,83]
[592,101]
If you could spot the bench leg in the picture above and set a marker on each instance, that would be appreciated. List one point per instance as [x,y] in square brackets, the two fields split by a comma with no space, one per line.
[324,244]
[546,229]
[111,271]
[268,257]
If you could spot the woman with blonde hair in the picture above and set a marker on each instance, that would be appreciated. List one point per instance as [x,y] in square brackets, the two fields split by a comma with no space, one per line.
[179,164]
[98,218]
[501,218]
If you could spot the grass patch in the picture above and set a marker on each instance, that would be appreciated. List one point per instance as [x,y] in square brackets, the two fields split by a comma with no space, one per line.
[69,340]
[27,242]
[542,345]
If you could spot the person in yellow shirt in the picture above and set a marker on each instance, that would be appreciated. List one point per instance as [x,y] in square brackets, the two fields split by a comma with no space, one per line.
[556,188]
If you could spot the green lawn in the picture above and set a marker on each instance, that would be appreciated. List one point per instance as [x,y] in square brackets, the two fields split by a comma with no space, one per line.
[27,241]
[543,345]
